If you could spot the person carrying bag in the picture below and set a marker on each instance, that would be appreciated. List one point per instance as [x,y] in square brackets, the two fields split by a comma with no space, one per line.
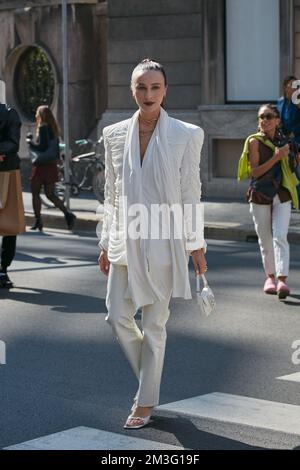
[12,219]
[51,154]
[45,155]
[271,194]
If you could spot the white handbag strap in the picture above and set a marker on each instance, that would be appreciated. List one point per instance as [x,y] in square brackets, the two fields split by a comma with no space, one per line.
[198,283]
[204,280]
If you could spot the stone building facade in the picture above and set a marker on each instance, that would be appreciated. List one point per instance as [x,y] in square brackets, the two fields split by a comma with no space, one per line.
[195,40]
[36,26]
[222,58]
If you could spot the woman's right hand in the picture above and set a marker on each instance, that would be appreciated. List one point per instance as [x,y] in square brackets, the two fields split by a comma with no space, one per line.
[281,152]
[103,262]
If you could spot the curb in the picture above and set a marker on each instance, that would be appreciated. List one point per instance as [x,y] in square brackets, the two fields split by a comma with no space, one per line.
[214,231]
[234,232]
[58,221]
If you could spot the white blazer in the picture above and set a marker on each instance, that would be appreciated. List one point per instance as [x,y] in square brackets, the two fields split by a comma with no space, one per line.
[170,175]
[185,141]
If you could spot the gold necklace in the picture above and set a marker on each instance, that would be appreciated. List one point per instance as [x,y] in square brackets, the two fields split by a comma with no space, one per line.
[148,122]
[143,133]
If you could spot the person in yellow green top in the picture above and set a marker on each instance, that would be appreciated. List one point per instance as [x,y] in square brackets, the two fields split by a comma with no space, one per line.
[271,194]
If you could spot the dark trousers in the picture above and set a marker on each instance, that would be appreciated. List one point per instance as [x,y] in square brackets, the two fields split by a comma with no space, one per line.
[8,251]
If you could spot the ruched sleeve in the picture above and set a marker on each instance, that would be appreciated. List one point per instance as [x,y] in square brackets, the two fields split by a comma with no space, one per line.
[109,195]
[191,191]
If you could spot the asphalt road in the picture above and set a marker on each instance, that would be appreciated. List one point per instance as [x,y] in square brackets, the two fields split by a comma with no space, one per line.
[64,368]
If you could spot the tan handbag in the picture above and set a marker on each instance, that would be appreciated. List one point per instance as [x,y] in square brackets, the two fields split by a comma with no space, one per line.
[4,181]
[12,218]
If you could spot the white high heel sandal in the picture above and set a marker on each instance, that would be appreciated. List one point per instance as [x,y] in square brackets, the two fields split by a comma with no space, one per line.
[142,422]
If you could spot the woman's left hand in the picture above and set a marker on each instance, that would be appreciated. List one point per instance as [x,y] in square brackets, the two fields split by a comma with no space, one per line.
[199,261]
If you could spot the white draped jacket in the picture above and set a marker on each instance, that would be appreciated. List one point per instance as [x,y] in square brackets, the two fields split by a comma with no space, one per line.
[170,174]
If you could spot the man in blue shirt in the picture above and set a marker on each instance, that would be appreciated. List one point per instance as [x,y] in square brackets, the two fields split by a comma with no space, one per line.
[290,114]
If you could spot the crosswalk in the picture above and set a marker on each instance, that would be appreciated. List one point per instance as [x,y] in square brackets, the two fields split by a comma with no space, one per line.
[233,410]
[240,410]
[291,377]
[84,438]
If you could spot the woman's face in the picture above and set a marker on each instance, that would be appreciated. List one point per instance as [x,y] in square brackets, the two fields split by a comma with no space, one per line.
[267,119]
[148,90]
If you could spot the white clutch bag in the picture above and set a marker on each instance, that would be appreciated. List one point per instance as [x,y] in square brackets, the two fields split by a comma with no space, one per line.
[205,297]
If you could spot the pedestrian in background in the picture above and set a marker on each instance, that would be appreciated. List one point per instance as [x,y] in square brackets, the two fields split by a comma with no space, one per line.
[290,114]
[271,193]
[288,110]
[151,159]
[12,220]
[46,175]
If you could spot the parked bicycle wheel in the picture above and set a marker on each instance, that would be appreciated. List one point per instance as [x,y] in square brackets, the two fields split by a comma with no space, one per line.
[98,185]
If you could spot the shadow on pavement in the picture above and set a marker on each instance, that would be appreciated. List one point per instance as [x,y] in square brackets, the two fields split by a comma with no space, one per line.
[52,233]
[63,302]
[35,259]
[190,437]
[290,302]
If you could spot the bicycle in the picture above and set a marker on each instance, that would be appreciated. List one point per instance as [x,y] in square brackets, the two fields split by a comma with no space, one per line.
[94,172]
[94,169]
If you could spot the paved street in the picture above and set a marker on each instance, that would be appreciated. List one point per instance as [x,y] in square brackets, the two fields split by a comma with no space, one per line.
[65,370]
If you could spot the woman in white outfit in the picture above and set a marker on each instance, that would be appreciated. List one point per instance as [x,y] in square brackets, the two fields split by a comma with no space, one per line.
[152,161]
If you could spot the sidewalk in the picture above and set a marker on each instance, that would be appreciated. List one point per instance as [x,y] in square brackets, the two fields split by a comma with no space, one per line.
[224,220]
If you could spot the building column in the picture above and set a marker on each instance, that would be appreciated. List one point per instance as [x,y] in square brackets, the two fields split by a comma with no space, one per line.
[213,52]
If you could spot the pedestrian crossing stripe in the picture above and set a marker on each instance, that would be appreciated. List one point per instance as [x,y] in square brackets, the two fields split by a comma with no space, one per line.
[291,377]
[85,438]
[240,410]
[220,407]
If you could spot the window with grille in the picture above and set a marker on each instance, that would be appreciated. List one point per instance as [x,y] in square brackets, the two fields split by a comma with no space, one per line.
[33,81]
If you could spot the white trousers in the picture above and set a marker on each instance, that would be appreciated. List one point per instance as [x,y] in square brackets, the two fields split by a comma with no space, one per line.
[145,349]
[271,225]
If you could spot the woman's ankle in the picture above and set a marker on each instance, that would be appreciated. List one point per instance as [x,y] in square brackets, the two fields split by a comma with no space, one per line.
[142,411]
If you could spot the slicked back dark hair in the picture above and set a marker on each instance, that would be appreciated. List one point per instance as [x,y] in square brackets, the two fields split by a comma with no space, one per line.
[149,64]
